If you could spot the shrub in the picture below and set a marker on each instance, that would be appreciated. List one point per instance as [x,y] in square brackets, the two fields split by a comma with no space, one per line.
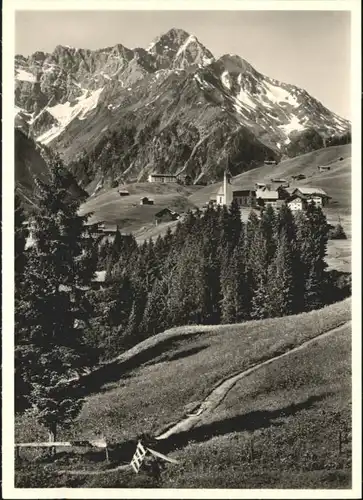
[337,233]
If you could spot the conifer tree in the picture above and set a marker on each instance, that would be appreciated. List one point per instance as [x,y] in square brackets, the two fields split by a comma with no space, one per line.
[155,318]
[59,266]
[251,228]
[280,283]
[21,233]
[228,288]
[312,237]
[258,259]
[268,228]
[235,225]
[286,224]
[318,239]
[234,284]
[186,290]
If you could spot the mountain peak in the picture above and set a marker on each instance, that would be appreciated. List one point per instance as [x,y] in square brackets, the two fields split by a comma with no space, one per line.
[235,63]
[177,33]
[171,40]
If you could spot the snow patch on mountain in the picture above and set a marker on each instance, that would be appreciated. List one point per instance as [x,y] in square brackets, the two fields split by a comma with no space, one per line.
[292,125]
[277,95]
[245,98]
[65,113]
[189,40]
[225,79]
[24,76]
[239,106]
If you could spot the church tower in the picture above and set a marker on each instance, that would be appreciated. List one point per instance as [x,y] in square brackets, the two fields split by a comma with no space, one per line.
[227,189]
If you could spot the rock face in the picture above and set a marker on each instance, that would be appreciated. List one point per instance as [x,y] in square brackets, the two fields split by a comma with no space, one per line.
[29,166]
[118,113]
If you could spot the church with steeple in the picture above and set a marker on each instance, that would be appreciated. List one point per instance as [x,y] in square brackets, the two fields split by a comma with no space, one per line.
[225,193]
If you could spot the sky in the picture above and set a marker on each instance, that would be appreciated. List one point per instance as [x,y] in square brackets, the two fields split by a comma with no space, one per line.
[310,49]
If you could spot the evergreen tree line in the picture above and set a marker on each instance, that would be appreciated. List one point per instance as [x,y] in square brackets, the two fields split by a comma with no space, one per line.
[213,269]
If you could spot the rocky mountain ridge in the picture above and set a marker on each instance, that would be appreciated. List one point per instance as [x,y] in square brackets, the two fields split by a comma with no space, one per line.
[119,113]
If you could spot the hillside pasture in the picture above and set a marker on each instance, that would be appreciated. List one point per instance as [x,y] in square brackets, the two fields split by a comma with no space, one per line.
[288,416]
[158,381]
[336,181]
[126,211]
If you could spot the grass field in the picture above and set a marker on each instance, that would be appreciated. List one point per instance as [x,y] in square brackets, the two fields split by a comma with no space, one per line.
[127,211]
[162,379]
[290,414]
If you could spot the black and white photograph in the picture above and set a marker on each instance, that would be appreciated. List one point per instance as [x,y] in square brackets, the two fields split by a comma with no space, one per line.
[181,290]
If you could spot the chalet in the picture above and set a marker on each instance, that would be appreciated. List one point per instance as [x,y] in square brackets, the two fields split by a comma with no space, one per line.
[298,177]
[266,196]
[297,202]
[271,196]
[107,228]
[270,162]
[123,192]
[323,168]
[165,215]
[244,197]
[146,201]
[317,195]
[163,178]
[259,185]
[278,181]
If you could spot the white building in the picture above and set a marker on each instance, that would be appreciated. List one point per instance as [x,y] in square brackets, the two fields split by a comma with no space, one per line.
[317,195]
[297,202]
[162,178]
[225,193]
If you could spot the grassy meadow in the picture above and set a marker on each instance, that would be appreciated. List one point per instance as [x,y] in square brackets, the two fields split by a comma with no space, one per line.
[161,380]
[126,211]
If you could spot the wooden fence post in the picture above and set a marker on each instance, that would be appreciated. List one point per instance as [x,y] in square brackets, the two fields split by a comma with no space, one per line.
[107,455]
[340,442]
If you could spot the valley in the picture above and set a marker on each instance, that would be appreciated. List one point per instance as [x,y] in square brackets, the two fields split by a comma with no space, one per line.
[170,290]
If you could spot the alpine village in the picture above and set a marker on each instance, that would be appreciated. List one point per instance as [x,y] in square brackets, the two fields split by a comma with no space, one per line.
[182,273]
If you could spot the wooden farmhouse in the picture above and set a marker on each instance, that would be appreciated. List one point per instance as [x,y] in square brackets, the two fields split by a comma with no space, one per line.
[165,215]
[163,178]
[146,201]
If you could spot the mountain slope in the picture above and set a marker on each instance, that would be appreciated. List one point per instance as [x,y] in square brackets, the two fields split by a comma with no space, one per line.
[29,166]
[120,113]
[336,181]
[127,212]
[163,379]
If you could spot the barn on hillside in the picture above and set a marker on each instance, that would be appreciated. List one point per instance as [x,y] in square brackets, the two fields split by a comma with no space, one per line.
[123,192]
[165,215]
[146,201]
